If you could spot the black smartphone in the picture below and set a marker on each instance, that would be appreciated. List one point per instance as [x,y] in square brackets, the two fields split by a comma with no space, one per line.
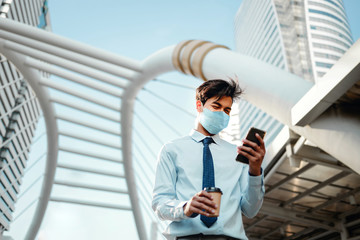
[251,137]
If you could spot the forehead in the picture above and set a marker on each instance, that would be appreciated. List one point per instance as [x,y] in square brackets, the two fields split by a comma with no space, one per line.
[225,101]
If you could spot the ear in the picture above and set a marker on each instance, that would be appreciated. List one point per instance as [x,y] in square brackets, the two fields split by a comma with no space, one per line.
[199,106]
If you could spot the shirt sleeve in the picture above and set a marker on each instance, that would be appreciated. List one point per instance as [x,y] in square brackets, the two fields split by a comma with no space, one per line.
[165,202]
[253,191]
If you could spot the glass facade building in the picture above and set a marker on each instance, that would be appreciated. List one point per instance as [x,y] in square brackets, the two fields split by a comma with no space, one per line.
[19,111]
[303,37]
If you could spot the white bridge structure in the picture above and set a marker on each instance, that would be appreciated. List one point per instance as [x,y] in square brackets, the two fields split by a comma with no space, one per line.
[321,137]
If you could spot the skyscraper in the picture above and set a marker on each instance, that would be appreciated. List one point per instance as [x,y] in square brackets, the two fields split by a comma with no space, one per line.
[19,111]
[303,37]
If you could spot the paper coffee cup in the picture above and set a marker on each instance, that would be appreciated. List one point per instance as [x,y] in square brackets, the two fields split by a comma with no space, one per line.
[216,194]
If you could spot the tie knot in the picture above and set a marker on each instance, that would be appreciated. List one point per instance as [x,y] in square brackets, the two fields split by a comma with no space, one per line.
[207,140]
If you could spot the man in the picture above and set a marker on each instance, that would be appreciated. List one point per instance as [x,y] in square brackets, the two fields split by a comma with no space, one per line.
[188,164]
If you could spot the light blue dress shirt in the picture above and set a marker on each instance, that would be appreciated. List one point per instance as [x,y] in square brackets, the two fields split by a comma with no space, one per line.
[179,178]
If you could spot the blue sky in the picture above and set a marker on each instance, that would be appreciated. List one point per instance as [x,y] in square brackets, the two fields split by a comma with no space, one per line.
[137,29]
[352,8]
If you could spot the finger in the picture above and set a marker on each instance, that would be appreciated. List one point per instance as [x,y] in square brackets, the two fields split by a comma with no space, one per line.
[256,158]
[202,207]
[199,211]
[204,193]
[206,201]
[248,150]
[262,143]
[248,156]
[250,143]
[253,149]
[256,155]
[238,149]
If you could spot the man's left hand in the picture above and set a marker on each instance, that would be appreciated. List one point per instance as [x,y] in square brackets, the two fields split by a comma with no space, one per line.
[255,153]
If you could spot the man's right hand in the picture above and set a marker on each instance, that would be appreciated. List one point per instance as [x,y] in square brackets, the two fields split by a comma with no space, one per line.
[200,202]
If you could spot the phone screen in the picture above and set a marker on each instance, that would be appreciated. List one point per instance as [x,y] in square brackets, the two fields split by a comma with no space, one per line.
[251,137]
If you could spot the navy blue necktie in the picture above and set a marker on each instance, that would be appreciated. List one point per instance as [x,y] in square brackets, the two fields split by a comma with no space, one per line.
[208,176]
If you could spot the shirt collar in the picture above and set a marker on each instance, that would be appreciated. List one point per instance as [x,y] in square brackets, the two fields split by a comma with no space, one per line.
[198,137]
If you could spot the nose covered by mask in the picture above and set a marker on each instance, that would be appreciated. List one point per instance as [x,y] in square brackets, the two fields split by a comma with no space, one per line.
[213,122]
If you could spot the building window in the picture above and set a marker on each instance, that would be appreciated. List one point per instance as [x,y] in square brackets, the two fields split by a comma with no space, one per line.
[327,14]
[324,46]
[330,39]
[327,56]
[328,30]
[334,3]
[329,8]
[320,74]
[324,65]
[332,24]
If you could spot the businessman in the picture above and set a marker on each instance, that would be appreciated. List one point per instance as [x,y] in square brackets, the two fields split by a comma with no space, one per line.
[202,159]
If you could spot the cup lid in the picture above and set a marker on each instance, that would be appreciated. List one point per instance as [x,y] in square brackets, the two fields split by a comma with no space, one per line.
[213,189]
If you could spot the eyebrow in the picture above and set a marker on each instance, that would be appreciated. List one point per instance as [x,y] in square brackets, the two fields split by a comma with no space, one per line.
[217,103]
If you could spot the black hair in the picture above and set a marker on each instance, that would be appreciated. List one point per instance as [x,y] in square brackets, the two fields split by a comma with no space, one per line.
[218,88]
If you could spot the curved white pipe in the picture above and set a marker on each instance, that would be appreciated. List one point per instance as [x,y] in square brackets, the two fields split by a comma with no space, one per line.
[65,43]
[276,91]
[272,89]
[157,63]
[32,76]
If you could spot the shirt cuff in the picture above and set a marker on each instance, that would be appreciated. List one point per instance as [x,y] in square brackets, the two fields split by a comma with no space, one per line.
[256,180]
[184,216]
[180,208]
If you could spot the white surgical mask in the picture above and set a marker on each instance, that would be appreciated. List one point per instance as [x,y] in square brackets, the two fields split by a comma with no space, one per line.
[213,122]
